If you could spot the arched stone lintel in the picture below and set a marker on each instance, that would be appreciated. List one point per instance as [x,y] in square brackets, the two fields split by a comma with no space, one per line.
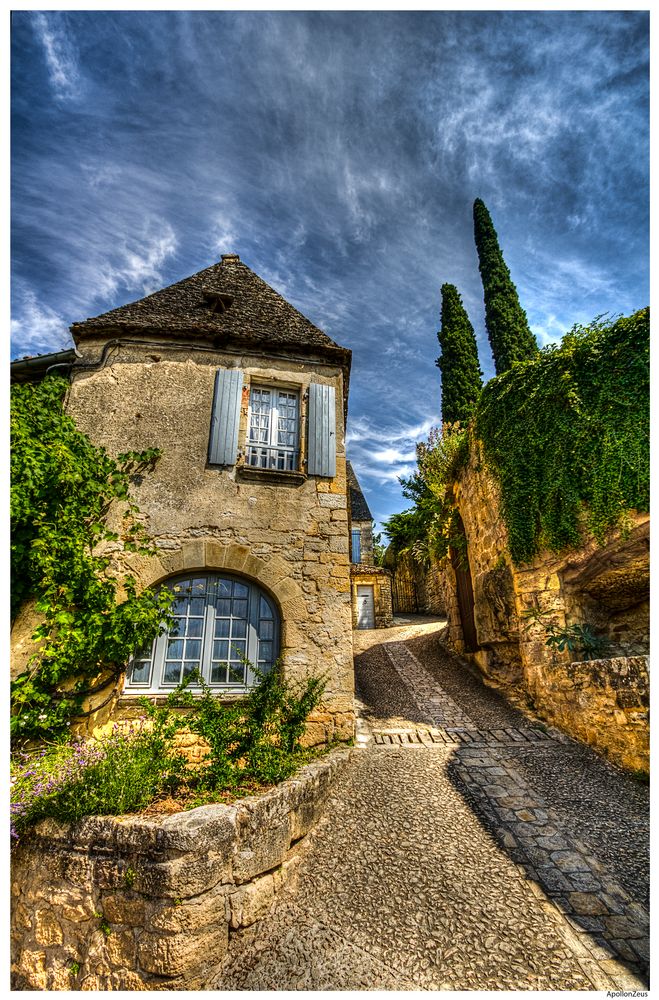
[273,574]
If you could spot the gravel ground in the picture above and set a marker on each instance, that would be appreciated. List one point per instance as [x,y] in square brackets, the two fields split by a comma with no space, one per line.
[598,803]
[402,887]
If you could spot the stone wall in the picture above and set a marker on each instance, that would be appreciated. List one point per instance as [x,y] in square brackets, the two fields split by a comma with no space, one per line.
[417,589]
[130,903]
[604,586]
[286,533]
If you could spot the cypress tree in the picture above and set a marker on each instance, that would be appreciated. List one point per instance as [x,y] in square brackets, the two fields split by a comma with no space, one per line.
[507,326]
[462,378]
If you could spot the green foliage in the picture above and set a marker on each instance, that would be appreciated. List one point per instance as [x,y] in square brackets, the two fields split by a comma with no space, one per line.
[428,528]
[508,330]
[115,774]
[462,378]
[256,739]
[379,548]
[568,436]
[578,638]
[62,489]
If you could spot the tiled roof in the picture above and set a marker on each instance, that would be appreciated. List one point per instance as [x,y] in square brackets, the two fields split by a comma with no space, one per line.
[226,302]
[358,507]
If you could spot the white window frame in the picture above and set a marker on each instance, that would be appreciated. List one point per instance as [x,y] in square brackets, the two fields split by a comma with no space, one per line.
[152,663]
[268,453]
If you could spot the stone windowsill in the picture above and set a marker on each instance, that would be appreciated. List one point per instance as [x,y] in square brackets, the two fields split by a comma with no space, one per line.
[251,472]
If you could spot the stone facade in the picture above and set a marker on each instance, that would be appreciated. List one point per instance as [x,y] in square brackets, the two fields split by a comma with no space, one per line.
[603,586]
[142,904]
[145,377]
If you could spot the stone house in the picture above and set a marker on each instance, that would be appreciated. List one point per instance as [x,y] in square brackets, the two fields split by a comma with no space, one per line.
[248,505]
[371,585]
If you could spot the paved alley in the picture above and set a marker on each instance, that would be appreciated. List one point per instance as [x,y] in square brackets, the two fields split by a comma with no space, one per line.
[468,847]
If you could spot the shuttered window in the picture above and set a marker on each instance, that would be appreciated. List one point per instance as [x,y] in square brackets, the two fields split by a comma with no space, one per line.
[273,431]
[222,625]
[356,545]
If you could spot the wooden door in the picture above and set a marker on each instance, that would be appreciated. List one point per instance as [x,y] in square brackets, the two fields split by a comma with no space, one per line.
[464,588]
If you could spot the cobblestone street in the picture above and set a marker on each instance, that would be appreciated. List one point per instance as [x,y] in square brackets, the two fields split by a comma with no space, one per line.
[469,847]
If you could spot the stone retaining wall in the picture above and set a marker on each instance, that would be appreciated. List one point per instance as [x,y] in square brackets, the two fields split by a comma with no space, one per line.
[132,903]
[603,702]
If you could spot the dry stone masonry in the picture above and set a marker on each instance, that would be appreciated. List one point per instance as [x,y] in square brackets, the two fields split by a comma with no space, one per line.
[132,903]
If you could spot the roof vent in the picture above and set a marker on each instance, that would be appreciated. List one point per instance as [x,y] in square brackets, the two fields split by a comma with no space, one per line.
[219,302]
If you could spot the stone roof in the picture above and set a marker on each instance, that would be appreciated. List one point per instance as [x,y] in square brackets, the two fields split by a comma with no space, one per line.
[358,507]
[226,302]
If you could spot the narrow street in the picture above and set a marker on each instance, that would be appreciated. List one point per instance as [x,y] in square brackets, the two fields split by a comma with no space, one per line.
[467,848]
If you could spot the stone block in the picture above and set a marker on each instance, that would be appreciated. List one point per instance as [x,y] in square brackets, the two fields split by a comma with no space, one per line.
[47,930]
[250,902]
[190,915]
[175,954]
[125,908]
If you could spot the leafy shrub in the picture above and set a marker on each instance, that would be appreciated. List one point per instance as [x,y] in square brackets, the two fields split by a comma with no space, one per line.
[258,738]
[111,775]
[62,489]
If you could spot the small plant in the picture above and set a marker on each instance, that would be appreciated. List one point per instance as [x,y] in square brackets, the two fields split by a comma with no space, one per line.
[129,877]
[573,638]
[74,968]
[103,924]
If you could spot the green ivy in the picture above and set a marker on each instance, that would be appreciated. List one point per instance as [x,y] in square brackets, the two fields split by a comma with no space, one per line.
[62,489]
[567,434]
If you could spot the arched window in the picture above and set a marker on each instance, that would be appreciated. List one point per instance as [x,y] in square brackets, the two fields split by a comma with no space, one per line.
[221,621]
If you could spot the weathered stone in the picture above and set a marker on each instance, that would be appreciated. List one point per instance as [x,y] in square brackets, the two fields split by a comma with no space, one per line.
[175,954]
[586,903]
[47,930]
[250,902]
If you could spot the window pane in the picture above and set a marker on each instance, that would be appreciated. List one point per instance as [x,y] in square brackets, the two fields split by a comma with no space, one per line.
[238,649]
[175,649]
[224,588]
[265,651]
[219,673]
[224,606]
[195,627]
[222,628]
[220,650]
[197,606]
[193,649]
[264,609]
[236,674]
[140,671]
[240,590]
[266,630]
[172,673]
[188,667]
[178,628]
[239,628]
[240,609]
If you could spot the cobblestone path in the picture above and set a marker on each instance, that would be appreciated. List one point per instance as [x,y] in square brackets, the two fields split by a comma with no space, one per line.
[442,863]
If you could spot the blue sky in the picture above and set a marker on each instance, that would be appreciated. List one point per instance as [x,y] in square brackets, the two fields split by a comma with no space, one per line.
[339,154]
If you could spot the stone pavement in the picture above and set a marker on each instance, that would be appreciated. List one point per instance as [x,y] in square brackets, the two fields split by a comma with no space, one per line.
[440,864]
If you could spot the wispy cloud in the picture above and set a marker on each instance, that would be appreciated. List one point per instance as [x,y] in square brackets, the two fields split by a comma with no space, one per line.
[61,56]
[39,329]
[138,263]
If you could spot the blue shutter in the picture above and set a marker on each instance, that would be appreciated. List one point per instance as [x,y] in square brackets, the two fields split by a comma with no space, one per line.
[223,444]
[356,545]
[321,451]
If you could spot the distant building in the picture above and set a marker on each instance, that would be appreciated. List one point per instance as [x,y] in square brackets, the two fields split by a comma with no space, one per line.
[371,584]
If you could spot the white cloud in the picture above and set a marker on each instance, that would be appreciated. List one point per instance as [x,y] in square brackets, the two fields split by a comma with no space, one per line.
[38,328]
[137,265]
[61,57]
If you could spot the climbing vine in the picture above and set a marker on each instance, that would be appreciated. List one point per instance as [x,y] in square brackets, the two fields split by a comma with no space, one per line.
[567,434]
[62,490]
